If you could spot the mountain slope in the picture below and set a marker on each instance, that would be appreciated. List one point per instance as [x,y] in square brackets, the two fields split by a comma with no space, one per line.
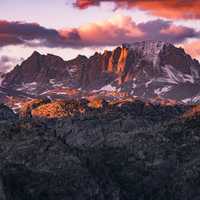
[146,69]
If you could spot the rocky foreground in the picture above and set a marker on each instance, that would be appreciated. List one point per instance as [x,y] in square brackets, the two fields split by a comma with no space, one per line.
[99,151]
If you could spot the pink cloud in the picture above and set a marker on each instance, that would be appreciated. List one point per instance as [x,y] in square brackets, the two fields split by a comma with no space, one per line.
[192,48]
[111,32]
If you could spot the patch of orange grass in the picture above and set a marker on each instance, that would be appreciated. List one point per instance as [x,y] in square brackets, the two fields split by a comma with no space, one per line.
[58,109]
[95,103]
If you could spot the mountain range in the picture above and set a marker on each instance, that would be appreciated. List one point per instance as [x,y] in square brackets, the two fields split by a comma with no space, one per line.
[148,70]
[118,125]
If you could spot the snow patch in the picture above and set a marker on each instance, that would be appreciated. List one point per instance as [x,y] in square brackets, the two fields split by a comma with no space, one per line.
[188,100]
[1,92]
[196,99]
[134,85]
[46,92]
[161,91]
[72,70]
[61,93]
[174,76]
[109,88]
[149,49]
[16,107]
[119,89]
[58,85]
[52,81]
[148,83]
[28,86]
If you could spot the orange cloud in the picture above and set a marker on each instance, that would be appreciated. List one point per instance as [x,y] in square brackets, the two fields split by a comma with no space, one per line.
[32,34]
[173,30]
[192,48]
[121,29]
[84,3]
[110,32]
[173,9]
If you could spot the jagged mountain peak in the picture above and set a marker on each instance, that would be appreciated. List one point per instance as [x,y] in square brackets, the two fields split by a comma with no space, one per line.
[146,69]
[149,46]
[41,57]
[81,57]
[35,53]
[156,43]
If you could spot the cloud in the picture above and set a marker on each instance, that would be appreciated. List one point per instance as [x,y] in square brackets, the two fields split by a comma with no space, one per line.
[122,29]
[192,48]
[6,63]
[111,32]
[167,31]
[32,34]
[174,9]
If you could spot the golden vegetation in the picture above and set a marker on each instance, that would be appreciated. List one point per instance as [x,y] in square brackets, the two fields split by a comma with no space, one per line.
[58,109]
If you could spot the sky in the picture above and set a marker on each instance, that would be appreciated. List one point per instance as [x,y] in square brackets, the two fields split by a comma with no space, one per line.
[71,27]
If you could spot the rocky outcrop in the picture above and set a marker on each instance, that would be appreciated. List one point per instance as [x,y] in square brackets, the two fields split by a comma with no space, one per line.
[37,68]
[6,113]
[125,150]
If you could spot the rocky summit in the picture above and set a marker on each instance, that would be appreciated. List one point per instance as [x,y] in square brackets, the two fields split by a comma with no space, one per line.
[148,70]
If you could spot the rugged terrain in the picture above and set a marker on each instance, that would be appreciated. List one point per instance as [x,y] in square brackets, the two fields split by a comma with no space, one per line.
[148,70]
[99,150]
[121,125]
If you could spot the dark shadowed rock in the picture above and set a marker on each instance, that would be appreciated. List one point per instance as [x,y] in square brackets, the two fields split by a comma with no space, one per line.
[119,151]
[6,113]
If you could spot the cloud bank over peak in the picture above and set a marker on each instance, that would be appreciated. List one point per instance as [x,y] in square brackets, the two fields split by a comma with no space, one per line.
[111,32]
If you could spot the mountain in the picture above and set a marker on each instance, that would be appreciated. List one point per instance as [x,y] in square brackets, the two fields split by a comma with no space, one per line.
[6,113]
[148,69]
[79,129]
[1,77]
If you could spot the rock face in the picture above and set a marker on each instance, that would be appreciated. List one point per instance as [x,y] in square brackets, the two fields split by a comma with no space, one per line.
[6,113]
[40,70]
[146,69]
[92,149]
[124,151]
[1,77]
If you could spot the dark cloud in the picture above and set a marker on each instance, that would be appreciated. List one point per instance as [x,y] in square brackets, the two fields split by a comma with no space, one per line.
[167,31]
[32,34]
[173,9]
